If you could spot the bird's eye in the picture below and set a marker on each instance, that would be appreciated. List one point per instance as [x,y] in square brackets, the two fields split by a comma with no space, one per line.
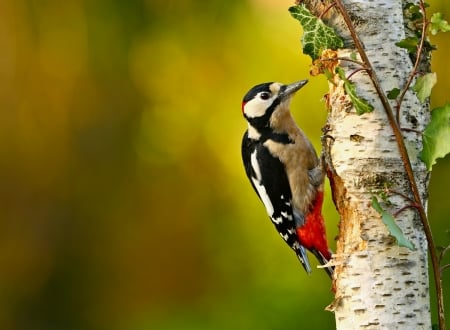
[264,96]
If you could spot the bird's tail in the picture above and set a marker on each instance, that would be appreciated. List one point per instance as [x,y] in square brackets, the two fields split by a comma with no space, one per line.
[303,257]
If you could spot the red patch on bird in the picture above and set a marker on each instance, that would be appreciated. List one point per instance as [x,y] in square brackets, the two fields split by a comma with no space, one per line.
[312,234]
[243,105]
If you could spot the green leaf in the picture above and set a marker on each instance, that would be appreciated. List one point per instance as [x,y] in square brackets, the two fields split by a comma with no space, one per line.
[436,136]
[393,93]
[423,85]
[414,11]
[327,73]
[316,35]
[393,228]
[438,24]
[360,104]
[410,44]
[412,8]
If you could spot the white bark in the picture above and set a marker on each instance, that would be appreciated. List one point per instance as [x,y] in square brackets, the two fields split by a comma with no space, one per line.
[379,285]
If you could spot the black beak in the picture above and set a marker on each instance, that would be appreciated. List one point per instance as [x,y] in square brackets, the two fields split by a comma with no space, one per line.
[288,90]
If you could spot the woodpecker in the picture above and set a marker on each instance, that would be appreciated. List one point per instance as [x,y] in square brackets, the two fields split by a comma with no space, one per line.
[284,170]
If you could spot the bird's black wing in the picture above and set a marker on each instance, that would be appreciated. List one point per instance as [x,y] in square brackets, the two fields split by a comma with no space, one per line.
[268,178]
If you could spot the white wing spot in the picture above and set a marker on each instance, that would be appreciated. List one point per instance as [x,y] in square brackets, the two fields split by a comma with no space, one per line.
[264,197]
[277,221]
[287,216]
[285,237]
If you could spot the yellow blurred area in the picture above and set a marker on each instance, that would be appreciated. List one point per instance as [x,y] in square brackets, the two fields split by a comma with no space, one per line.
[124,204]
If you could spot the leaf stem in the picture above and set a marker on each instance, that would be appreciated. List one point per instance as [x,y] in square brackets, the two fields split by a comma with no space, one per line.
[410,206]
[405,158]
[445,267]
[443,252]
[325,11]
[411,130]
[355,72]
[400,194]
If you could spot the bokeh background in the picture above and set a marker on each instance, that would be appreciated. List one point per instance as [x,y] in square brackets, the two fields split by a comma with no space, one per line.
[123,202]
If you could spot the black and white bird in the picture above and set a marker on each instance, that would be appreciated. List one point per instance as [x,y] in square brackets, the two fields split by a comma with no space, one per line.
[284,170]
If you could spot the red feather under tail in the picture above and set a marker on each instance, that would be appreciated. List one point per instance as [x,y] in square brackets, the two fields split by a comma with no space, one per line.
[312,234]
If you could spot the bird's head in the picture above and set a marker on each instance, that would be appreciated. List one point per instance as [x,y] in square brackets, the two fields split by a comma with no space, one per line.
[268,99]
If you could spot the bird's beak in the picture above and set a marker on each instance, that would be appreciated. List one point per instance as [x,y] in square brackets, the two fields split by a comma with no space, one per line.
[289,90]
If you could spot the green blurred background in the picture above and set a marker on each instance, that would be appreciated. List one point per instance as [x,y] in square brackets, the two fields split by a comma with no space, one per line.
[124,203]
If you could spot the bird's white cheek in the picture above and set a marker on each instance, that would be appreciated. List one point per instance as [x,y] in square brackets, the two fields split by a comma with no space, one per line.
[255,108]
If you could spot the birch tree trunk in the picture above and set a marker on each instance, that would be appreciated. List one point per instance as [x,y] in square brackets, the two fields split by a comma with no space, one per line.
[379,285]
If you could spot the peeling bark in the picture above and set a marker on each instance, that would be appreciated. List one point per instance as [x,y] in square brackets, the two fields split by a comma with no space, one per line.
[379,285]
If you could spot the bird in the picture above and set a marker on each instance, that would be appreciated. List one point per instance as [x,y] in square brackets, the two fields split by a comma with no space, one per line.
[285,171]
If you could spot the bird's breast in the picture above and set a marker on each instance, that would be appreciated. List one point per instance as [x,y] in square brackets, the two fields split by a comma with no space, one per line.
[298,160]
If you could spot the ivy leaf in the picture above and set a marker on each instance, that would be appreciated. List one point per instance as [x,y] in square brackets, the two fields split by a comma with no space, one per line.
[410,44]
[360,104]
[438,24]
[393,93]
[316,35]
[436,136]
[393,228]
[424,84]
